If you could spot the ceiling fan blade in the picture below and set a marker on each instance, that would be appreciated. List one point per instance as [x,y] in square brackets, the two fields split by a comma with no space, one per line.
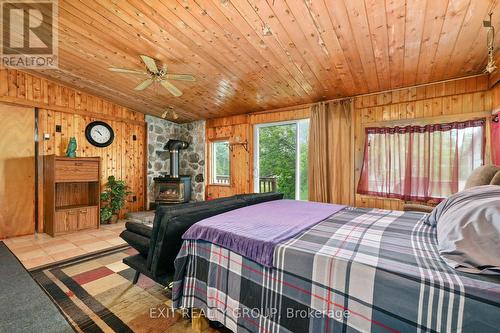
[150,63]
[180,77]
[170,87]
[144,84]
[127,71]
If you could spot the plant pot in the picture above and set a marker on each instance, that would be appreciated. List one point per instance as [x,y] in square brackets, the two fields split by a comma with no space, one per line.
[113,219]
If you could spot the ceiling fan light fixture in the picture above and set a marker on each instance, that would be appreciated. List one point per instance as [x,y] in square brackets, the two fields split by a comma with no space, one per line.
[156,75]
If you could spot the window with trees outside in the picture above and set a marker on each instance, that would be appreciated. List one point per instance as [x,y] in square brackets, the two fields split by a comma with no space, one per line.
[220,163]
[281,158]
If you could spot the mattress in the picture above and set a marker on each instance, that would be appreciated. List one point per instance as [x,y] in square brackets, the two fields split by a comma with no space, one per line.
[360,270]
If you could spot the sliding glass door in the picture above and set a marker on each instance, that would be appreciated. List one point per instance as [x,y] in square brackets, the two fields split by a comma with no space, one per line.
[280,163]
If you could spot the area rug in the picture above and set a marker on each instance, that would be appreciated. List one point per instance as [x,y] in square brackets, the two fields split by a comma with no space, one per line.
[96,294]
[24,307]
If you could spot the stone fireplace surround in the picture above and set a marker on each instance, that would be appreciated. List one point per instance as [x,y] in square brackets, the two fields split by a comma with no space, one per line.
[192,159]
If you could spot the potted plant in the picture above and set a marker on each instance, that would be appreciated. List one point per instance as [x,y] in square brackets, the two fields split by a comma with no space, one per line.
[113,199]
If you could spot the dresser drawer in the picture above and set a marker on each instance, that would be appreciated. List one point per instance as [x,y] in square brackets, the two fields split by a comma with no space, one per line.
[76,171]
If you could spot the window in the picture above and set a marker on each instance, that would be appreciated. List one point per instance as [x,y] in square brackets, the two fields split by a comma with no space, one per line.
[281,158]
[220,163]
[421,162]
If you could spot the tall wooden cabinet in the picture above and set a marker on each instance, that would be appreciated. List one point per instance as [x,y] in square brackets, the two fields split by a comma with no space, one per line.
[71,194]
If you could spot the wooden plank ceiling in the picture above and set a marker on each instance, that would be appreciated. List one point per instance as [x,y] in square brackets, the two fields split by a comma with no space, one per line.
[252,55]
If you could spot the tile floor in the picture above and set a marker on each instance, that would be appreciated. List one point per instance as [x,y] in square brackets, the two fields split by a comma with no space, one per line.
[38,250]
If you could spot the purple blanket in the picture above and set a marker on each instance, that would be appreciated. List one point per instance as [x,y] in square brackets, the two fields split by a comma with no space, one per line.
[254,231]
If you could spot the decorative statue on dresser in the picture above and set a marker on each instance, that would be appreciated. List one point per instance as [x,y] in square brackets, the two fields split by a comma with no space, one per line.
[71,150]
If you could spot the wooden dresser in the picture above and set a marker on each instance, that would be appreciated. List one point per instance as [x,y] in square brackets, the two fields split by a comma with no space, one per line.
[71,194]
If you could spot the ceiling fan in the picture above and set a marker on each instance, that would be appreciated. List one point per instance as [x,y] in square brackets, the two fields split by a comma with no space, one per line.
[155,74]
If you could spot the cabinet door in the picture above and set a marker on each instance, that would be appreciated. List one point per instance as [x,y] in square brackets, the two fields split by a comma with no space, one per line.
[60,222]
[87,218]
[72,220]
[65,221]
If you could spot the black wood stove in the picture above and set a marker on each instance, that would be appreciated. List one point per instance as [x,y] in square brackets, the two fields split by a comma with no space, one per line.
[174,188]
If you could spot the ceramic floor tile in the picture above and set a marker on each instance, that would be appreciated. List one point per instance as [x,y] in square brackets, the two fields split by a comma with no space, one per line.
[60,247]
[107,236]
[78,236]
[16,243]
[23,249]
[116,241]
[37,262]
[39,249]
[67,254]
[50,241]
[87,241]
[94,246]
[100,233]
[20,239]
[31,255]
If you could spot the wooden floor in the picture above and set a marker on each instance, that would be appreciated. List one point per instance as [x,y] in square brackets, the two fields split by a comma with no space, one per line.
[38,250]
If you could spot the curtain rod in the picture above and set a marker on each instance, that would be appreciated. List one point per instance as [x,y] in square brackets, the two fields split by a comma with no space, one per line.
[301,106]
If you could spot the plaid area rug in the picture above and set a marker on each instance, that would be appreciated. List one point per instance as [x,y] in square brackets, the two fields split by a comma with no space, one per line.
[96,294]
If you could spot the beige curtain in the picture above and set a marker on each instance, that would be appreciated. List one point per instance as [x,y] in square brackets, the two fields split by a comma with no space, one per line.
[331,153]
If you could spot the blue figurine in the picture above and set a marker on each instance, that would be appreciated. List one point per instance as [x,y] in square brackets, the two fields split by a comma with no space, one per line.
[71,151]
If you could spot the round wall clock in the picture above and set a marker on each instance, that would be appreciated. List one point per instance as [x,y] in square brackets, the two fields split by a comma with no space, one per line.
[99,134]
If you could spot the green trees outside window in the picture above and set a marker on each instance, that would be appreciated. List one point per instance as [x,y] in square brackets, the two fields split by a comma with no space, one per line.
[279,147]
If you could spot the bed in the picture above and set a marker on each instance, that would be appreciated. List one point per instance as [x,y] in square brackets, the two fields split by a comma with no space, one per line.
[359,270]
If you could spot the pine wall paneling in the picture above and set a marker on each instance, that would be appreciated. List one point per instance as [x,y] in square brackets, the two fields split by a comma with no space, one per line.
[441,102]
[73,110]
[230,129]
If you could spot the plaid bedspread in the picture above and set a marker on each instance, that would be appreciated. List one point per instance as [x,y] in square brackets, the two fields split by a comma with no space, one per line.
[360,270]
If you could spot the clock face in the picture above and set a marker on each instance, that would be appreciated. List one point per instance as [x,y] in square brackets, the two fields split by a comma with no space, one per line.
[99,134]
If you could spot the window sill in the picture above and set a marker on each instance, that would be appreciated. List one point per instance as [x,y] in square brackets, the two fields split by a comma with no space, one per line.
[223,185]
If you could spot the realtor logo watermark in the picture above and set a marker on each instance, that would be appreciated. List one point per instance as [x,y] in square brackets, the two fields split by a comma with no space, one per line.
[29,33]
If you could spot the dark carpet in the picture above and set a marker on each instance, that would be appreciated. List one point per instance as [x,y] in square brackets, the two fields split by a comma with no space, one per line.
[24,306]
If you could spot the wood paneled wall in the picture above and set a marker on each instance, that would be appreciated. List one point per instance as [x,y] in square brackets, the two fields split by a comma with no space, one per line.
[449,101]
[233,129]
[72,110]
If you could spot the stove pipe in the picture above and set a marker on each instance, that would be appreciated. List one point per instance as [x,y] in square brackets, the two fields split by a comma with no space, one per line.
[173,146]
